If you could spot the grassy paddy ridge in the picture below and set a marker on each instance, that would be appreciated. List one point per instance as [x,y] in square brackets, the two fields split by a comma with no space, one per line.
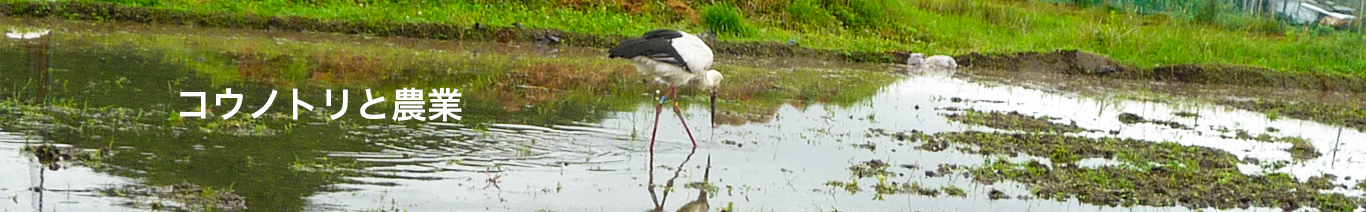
[860,29]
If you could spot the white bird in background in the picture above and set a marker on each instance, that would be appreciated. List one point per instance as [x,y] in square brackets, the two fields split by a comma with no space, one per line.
[26,34]
[675,58]
[918,60]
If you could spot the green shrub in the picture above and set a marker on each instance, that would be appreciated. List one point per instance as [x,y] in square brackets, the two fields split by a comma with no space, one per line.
[724,19]
[862,13]
[1083,3]
[140,3]
[1207,12]
[1265,25]
[809,13]
[1324,30]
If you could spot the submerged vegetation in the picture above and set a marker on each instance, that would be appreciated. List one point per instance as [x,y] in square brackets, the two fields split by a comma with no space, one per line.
[1189,185]
[1014,121]
[179,197]
[1300,148]
[1149,173]
[942,26]
[1130,118]
[1350,116]
[53,157]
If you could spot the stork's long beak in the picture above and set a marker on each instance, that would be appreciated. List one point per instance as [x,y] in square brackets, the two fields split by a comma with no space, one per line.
[713,108]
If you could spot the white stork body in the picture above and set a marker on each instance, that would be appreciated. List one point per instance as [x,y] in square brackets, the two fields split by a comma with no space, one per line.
[25,35]
[674,58]
[669,74]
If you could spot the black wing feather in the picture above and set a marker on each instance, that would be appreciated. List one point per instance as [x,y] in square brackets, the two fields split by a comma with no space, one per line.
[662,33]
[655,44]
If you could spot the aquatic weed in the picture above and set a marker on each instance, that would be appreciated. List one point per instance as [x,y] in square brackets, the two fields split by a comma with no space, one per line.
[953,190]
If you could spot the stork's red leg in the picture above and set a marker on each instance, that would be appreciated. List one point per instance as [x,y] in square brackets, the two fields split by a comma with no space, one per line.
[679,112]
[659,108]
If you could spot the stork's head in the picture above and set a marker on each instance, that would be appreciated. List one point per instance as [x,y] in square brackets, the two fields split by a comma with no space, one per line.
[712,81]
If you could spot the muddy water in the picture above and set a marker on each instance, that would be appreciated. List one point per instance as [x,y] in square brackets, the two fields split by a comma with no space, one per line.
[578,154]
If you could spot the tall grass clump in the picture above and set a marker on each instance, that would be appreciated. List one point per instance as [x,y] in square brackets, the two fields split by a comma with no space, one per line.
[999,13]
[1083,3]
[724,19]
[862,13]
[1207,12]
[1258,24]
[808,13]
[140,3]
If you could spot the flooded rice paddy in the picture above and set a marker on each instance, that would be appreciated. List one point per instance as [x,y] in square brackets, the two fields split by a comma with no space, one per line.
[91,122]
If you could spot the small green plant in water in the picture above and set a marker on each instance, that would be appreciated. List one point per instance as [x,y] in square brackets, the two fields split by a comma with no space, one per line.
[851,186]
[175,117]
[954,191]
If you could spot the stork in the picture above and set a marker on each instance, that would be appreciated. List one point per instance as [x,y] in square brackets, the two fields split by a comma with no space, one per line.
[674,58]
[918,60]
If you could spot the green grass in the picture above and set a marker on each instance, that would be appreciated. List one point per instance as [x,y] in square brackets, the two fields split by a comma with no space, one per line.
[724,19]
[934,26]
[750,89]
[807,14]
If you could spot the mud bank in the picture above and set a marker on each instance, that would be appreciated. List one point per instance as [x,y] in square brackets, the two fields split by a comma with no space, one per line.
[1015,121]
[100,11]
[1073,62]
[1327,98]
[1353,117]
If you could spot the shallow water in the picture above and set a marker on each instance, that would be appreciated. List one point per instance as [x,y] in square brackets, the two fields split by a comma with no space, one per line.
[573,155]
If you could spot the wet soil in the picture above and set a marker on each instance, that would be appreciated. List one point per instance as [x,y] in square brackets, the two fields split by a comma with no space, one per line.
[1014,121]
[878,170]
[1070,62]
[1073,62]
[1340,105]
[1063,149]
[1353,116]
[1188,186]
[1300,149]
[1130,118]
[1151,173]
